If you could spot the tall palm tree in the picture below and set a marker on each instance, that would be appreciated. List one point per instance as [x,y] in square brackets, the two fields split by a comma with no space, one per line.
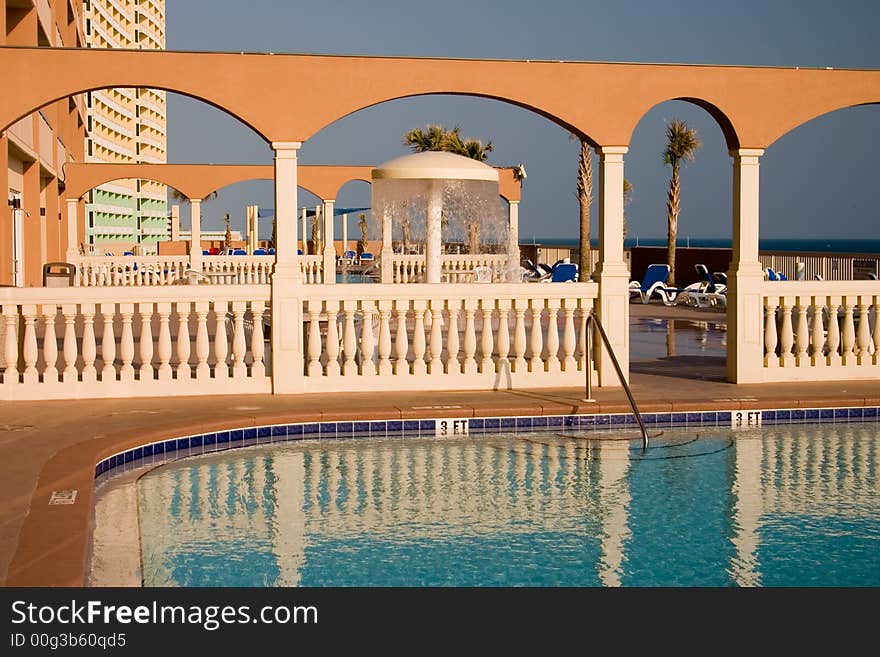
[585,196]
[315,246]
[681,144]
[627,197]
[362,223]
[227,240]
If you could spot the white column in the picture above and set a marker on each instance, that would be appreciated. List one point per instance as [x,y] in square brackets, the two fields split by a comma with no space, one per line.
[386,262]
[317,247]
[305,232]
[433,239]
[195,227]
[175,223]
[344,233]
[329,244]
[287,358]
[72,219]
[612,273]
[746,276]
[513,255]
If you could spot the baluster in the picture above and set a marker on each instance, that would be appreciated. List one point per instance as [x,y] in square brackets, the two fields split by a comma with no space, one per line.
[848,333]
[69,349]
[50,344]
[29,345]
[552,336]
[503,336]
[436,342]
[519,336]
[314,309]
[384,337]
[569,364]
[419,366]
[184,372]
[349,338]
[786,338]
[203,370]
[817,333]
[368,343]
[833,336]
[864,333]
[586,310]
[126,342]
[239,345]
[163,348]
[470,338]
[10,344]
[453,365]
[332,338]
[802,333]
[770,339]
[401,339]
[89,346]
[146,342]
[487,339]
[536,342]
[258,348]
[221,341]
[876,334]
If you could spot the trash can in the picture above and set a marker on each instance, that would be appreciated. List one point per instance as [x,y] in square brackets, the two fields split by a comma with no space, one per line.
[58,274]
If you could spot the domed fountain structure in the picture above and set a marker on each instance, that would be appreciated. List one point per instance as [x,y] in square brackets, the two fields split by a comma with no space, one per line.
[442,197]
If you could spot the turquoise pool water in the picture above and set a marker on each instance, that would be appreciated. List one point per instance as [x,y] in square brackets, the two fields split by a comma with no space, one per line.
[785,506]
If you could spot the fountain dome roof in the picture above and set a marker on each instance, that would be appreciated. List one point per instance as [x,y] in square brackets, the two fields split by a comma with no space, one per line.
[434,165]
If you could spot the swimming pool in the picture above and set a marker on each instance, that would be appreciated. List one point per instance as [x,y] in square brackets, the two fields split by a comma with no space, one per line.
[789,505]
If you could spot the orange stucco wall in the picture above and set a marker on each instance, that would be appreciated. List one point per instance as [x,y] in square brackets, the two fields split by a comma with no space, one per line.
[601,102]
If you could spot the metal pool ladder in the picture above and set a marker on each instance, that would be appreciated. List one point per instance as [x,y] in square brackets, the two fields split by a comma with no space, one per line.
[592,319]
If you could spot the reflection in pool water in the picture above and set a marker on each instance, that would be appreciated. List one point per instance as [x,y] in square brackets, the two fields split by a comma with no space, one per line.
[659,338]
[794,505]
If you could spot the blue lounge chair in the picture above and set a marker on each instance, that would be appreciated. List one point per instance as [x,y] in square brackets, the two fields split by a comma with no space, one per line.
[771,275]
[206,252]
[366,256]
[705,293]
[348,256]
[564,272]
[239,252]
[260,252]
[654,282]
[271,251]
[533,273]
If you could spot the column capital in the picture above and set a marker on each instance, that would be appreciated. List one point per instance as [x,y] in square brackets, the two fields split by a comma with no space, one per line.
[328,200]
[286,145]
[612,150]
[195,201]
[516,202]
[746,152]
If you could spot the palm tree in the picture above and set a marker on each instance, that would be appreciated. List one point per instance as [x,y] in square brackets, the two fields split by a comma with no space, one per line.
[227,241]
[432,137]
[315,228]
[627,197]
[585,196]
[681,144]
[362,222]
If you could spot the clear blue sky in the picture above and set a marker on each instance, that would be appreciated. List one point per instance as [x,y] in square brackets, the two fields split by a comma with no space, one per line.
[817,181]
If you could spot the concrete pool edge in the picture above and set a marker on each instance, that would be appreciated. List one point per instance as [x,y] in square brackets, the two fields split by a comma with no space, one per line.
[53,542]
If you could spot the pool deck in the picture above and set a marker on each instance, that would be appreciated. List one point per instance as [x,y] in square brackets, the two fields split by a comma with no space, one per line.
[54,446]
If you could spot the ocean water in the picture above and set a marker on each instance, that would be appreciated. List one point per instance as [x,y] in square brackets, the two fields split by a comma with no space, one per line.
[871,246]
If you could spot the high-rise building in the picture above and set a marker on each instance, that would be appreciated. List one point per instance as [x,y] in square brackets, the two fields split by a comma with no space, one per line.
[33,151]
[126,125]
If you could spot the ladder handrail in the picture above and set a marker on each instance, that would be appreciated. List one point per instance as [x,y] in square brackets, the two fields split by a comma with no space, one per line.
[592,318]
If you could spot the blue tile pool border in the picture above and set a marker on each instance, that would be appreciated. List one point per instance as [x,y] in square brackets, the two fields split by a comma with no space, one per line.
[164,451]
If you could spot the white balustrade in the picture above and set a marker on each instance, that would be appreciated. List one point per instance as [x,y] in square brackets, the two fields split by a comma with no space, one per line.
[59,354]
[455,268]
[125,271]
[821,330]
[450,337]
